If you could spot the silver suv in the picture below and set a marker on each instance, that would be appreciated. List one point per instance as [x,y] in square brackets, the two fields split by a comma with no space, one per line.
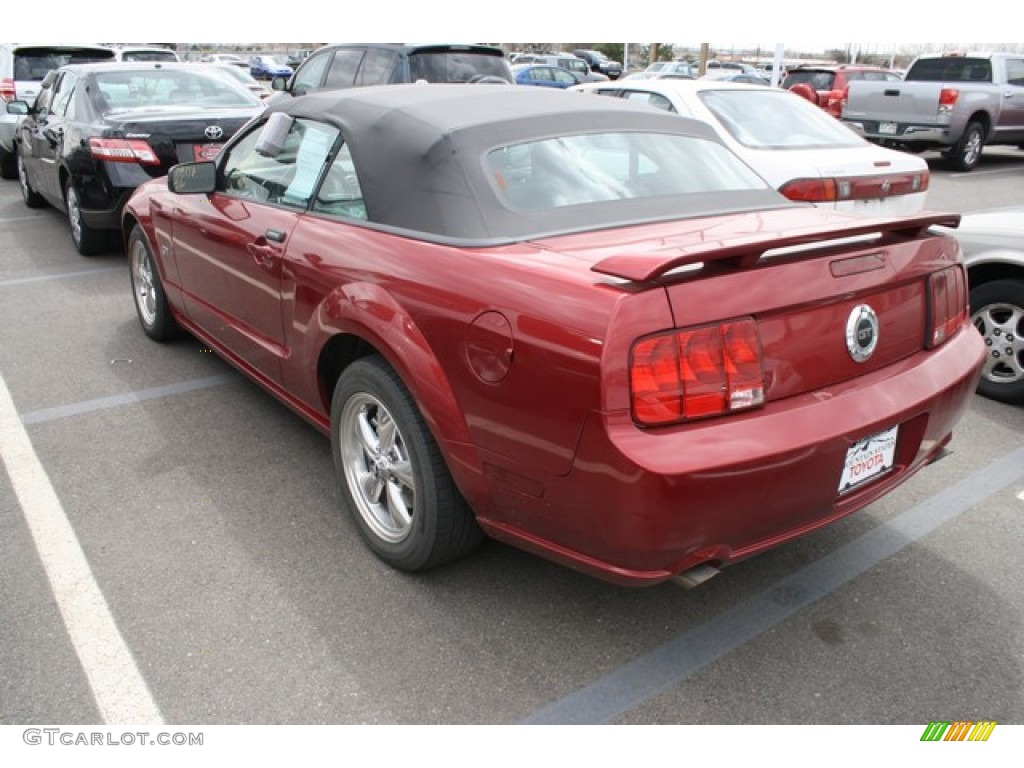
[22,69]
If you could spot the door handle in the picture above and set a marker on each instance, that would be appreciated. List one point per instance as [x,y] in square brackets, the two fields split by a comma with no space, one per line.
[263,254]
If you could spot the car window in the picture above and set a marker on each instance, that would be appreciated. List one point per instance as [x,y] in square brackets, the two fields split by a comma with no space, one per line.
[595,167]
[311,74]
[818,80]
[290,176]
[777,120]
[563,76]
[340,194]
[1015,71]
[651,99]
[378,67]
[136,89]
[951,68]
[342,73]
[149,56]
[65,88]
[455,66]
[33,64]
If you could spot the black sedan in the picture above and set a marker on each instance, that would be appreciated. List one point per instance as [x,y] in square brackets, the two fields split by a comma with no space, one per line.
[97,131]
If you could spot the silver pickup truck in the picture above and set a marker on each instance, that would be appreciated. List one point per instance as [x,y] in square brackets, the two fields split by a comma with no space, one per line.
[958,103]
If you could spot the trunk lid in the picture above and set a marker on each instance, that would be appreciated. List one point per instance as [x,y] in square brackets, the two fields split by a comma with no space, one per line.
[178,134]
[804,277]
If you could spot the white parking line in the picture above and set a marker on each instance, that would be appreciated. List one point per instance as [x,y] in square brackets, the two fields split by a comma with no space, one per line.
[122,696]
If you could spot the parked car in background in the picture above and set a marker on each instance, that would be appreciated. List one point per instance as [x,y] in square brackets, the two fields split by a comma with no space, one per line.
[800,150]
[715,69]
[225,58]
[360,64]
[268,67]
[662,68]
[296,57]
[743,77]
[993,245]
[956,102]
[408,266]
[22,68]
[598,62]
[828,86]
[143,53]
[97,131]
[568,61]
[243,77]
[544,75]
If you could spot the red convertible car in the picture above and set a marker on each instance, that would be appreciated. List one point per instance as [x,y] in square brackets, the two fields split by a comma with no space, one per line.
[583,327]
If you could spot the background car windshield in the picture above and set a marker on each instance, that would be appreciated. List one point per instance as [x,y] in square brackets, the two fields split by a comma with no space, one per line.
[589,168]
[460,67]
[777,120]
[166,88]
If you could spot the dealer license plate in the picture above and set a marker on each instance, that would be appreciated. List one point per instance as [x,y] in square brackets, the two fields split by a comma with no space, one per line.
[868,458]
[890,129]
[205,151]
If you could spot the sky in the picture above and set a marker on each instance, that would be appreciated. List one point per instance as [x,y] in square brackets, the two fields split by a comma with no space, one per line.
[476,21]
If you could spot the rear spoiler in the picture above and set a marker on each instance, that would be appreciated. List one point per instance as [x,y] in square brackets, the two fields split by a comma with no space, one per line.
[745,252]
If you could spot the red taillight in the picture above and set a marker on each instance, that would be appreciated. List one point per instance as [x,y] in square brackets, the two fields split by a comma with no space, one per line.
[947,293]
[696,372]
[810,190]
[947,100]
[878,187]
[123,151]
[7,91]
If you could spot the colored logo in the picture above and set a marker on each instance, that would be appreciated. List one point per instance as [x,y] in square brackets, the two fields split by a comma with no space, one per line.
[959,730]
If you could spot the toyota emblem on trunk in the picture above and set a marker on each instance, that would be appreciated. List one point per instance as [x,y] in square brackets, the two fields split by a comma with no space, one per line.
[214,132]
[862,332]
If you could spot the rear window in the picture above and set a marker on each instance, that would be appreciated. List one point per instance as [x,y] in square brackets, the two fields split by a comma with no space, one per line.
[155,88]
[149,56]
[777,120]
[951,68]
[456,66]
[818,80]
[33,64]
[597,167]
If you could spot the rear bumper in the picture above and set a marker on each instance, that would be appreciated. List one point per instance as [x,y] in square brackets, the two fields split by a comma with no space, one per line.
[905,133]
[640,506]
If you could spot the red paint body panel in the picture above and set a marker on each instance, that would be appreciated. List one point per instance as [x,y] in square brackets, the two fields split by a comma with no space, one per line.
[517,356]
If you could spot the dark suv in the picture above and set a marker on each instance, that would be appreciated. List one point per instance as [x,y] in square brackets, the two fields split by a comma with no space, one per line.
[354,64]
[598,62]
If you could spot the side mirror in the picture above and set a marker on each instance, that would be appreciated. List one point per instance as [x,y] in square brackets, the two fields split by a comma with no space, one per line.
[17,108]
[279,83]
[192,178]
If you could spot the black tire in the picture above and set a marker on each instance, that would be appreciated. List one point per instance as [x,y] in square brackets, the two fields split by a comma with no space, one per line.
[391,474]
[88,241]
[966,153]
[148,291]
[8,167]
[32,198]
[997,311]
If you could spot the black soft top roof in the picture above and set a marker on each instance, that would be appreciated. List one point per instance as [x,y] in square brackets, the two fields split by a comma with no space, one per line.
[420,148]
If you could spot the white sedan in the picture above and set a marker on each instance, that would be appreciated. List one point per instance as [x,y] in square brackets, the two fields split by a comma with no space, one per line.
[800,150]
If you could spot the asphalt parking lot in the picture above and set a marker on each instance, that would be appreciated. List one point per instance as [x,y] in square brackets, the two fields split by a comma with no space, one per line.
[172,551]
